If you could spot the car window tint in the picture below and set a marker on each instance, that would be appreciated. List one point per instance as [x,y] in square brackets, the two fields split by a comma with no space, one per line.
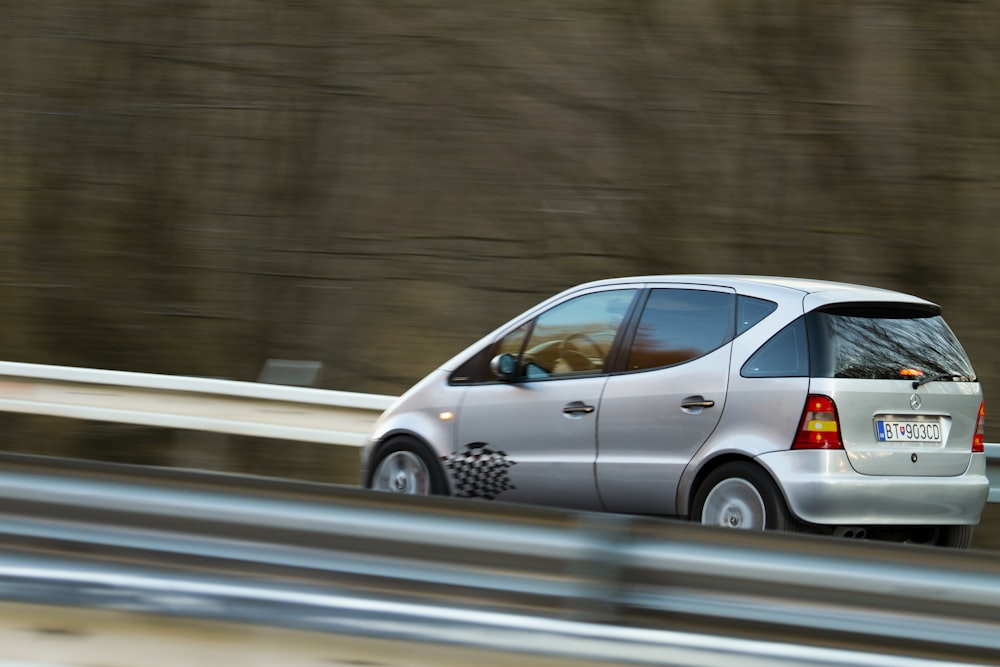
[678,325]
[575,337]
[750,311]
[513,342]
[786,354]
[477,368]
[884,342]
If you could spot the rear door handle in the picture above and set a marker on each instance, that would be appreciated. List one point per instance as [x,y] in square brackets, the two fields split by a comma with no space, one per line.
[578,408]
[692,402]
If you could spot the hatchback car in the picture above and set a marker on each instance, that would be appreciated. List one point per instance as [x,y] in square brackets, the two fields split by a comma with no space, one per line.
[741,401]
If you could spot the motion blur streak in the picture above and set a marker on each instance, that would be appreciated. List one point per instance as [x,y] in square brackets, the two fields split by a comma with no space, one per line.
[484,576]
[190,187]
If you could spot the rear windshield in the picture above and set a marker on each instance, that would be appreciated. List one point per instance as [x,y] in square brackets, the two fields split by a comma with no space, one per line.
[884,343]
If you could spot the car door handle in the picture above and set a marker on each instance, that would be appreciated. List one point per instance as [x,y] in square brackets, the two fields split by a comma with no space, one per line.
[577,408]
[696,402]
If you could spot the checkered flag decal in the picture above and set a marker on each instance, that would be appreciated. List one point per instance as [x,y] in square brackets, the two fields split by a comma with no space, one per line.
[479,472]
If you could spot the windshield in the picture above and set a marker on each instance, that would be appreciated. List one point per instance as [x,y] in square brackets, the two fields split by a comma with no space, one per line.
[885,342]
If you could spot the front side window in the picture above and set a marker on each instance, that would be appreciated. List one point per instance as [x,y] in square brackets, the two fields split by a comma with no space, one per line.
[679,325]
[575,337]
[514,341]
[477,369]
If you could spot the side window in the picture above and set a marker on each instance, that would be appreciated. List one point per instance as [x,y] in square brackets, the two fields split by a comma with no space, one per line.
[477,369]
[575,337]
[786,354]
[513,342]
[678,325]
[750,311]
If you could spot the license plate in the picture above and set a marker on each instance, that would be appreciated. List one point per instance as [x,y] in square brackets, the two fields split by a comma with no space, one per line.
[903,430]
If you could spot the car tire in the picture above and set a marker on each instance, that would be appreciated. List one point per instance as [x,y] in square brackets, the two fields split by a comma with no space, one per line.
[955,537]
[405,465]
[741,495]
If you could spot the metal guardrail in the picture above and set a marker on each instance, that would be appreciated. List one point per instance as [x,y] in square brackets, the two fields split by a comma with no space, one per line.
[225,406]
[484,576]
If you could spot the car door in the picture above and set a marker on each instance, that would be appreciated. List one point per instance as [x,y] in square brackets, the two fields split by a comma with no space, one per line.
[533,439]
[667,400]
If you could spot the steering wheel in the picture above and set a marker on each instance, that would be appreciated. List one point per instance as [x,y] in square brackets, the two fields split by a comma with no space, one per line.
[569,352]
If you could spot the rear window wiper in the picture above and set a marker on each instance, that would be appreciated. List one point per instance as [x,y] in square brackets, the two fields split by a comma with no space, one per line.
[937,378]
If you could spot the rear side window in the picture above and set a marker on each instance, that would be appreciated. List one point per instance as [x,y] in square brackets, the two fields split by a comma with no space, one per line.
[884,343]
[786,354]
[678,325]
[750,311]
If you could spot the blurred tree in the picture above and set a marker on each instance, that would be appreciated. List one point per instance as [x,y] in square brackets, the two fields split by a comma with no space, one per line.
[193,187]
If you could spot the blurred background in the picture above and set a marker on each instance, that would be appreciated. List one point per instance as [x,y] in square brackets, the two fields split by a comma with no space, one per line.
[194,187]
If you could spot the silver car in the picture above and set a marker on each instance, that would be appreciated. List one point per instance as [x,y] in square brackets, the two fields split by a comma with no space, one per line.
[740,401]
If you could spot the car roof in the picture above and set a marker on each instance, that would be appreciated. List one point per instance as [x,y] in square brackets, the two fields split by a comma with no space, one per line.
[814,292]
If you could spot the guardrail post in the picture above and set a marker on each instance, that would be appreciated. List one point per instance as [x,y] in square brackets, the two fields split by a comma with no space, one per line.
[598,567]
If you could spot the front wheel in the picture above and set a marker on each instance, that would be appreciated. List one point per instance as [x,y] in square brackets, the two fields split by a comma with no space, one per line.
[741,495]
[404,466]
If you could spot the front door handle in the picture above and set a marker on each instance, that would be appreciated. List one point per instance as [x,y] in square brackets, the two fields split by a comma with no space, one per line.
[578,408]
[692,402]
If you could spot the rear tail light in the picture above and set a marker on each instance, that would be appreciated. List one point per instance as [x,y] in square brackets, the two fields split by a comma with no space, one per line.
[820,426]
[980,436]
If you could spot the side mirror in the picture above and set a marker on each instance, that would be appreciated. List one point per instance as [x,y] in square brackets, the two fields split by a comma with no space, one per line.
[504,366]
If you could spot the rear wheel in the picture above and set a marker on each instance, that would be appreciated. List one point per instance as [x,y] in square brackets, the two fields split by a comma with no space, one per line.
[955,537]
[741,495]
[950,537]
[405,466]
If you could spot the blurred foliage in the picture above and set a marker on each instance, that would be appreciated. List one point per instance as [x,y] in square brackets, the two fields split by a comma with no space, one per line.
[195,186]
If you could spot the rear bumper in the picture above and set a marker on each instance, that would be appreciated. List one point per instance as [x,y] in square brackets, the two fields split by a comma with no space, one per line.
[821,487]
